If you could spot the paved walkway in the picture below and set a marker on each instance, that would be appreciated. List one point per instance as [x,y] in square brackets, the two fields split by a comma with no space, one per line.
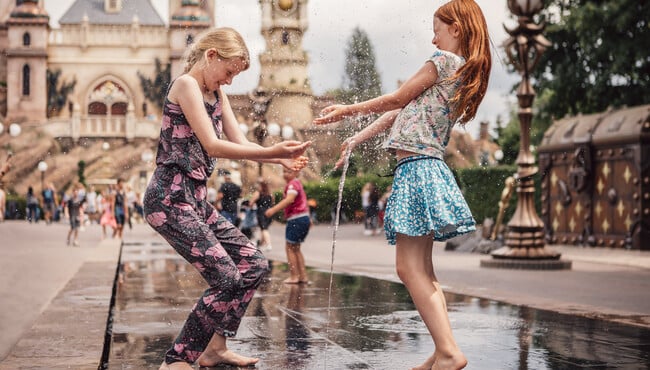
[49,285]
[604,283]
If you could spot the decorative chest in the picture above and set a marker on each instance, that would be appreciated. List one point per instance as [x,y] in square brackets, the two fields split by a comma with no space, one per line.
[595,179]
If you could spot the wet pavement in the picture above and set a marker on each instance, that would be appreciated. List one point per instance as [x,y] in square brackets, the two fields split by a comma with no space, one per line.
[366,323]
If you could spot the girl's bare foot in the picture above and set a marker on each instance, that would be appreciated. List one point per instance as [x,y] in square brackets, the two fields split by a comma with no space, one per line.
[291,281]
[454,362]
[175,366]
[212,358]
[427,364]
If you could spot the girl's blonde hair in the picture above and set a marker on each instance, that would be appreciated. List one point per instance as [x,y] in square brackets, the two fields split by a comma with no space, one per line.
[475,48]
[228,43]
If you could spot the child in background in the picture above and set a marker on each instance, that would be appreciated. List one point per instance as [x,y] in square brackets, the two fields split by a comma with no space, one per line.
[426,204]
[248,218]
[75,212]
[263,200]
[296,212]
[108,214]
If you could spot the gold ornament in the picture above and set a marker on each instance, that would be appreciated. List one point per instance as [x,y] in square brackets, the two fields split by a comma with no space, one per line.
[285,5]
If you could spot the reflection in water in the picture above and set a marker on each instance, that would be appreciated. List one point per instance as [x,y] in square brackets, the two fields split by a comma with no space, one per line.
[373,324]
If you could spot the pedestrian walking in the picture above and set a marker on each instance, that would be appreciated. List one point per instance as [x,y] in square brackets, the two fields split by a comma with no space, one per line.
[74,208]
[32,206]
[108,214]
[49,202]
[248,219]
[196,115]
[370,204]
[120,207]
[263,200]
[426,203]
[296,212]
[228,196]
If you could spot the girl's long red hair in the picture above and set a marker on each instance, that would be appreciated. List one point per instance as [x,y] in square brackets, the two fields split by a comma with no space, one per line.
[475,48]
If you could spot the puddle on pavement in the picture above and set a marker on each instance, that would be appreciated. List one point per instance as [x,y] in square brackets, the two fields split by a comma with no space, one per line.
[373,324]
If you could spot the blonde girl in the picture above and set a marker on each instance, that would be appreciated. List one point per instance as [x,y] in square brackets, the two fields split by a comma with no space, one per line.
[196,117]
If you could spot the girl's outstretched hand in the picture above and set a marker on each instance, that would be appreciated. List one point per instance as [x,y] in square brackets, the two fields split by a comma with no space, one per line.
[333,113]
[290,148]
[295,164]
[348,144]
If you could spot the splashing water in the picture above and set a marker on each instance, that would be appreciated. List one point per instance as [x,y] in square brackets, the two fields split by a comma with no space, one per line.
[346,163]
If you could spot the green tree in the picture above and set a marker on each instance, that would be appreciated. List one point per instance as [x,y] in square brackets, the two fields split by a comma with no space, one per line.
[156,90]
[361,82]
[599,57]
[57,95]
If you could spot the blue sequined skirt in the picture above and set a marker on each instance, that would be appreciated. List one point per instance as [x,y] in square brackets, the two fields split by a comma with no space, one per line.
[426,201]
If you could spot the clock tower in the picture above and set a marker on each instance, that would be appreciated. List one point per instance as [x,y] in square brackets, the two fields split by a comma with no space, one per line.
[283,75]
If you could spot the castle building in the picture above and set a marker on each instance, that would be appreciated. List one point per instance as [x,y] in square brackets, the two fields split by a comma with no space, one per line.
[101,48]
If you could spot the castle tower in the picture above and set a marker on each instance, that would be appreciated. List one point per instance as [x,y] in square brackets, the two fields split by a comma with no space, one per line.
[185,24]
[207,5]
[283,75]
[27,31]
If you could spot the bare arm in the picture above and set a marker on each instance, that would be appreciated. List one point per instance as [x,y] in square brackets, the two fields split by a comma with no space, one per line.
[412,88]
[282,205]
[381,124]
[234,134]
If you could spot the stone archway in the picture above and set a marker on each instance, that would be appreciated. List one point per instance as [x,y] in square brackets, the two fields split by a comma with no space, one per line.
[108,102]
[108,97]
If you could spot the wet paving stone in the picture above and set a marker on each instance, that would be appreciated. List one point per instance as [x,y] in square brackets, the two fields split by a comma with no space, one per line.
[370,324]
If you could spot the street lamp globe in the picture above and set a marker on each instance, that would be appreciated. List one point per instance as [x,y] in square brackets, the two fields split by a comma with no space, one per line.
[14,129]
[42,166]
[106,146]
[498,155]
[146,156]
[274,129]
[243,128]
[287,132]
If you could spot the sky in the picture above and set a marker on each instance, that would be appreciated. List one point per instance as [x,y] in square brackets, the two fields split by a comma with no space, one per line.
[400,33]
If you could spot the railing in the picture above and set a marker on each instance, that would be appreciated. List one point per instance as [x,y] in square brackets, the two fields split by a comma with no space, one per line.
[93,126]
[99,35]
[127,127]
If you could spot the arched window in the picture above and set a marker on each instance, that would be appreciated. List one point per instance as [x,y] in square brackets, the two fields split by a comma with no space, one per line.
[26,78]
[118,109]
[97,108]
[27,39]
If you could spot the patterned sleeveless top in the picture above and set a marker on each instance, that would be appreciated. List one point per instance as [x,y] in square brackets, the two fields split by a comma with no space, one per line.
[180,148]
[424,125]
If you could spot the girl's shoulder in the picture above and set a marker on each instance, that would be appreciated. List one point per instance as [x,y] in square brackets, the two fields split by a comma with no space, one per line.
[180,85]
[443,54]
[446,62]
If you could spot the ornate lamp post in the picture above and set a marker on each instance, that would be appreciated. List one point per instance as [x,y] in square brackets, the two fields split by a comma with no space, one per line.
[524,238]
[42,166]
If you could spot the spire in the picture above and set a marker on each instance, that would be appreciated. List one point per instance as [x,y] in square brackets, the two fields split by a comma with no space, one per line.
[190,14]
[29,9]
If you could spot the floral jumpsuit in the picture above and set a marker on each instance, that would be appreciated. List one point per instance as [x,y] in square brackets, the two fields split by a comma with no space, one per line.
[175,206]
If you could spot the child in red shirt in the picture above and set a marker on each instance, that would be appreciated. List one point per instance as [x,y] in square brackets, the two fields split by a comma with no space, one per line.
[296,212]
